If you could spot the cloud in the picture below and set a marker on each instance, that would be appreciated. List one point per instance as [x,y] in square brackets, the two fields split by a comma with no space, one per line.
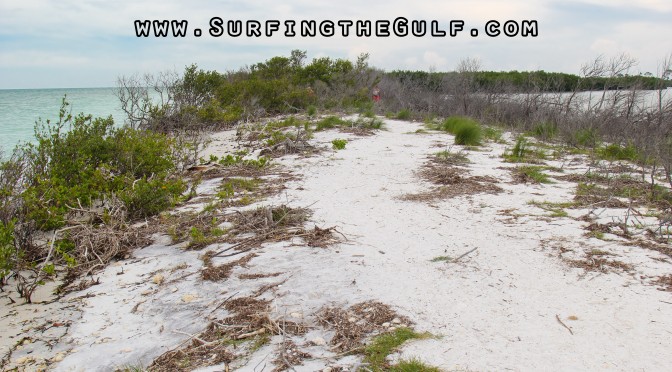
[96,35]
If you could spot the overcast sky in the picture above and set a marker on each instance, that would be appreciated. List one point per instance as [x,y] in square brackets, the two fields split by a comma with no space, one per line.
[89,43]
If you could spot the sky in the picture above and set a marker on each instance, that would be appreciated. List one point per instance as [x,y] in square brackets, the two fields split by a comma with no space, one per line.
[90,43]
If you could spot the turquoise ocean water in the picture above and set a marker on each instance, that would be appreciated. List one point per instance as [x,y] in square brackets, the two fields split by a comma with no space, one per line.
[20,108]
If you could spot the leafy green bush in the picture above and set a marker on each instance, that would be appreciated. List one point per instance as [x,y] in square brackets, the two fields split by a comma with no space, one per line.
[339,144]
[93,160]
[80,171]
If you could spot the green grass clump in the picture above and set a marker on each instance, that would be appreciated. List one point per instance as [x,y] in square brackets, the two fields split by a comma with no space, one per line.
[229,188]
[383,345]
[369,123]
[468,135]
[412,365]
[291,121]
[535,173]
[404,114]
[555,209]
[523,152]
[449,157]
[238,160]
[520,148]
[545,130]
[330,122]
[311,111]
[586,137]
[339,144]
[466,131]
[618,152]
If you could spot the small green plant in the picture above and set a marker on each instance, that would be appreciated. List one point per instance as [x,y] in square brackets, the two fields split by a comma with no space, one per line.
[370,123]
[259,342]
[339,144]
[523,152]
[450,157]
[235,185]
[545,130]
[330,122]
[441,259]
[532,173]
[404,114]
[311,111]
[597,234]
[556,209]
[493,134]
[239,160]
[520,148]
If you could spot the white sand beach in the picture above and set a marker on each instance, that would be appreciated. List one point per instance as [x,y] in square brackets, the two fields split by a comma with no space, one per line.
[488,274]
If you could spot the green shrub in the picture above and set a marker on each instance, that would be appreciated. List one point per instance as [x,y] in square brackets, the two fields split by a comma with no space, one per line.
[8,253]
[86,165]
[618,152]
[339,144]
[92,161]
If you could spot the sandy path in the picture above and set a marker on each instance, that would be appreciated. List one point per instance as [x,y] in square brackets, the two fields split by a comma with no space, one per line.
[495,309]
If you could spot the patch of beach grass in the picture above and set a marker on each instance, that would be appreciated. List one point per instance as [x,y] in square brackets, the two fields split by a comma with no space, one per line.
[530,174]
[380,347]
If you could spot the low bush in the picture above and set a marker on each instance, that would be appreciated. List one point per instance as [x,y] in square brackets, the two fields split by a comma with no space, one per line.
[339,144]
[80,172]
